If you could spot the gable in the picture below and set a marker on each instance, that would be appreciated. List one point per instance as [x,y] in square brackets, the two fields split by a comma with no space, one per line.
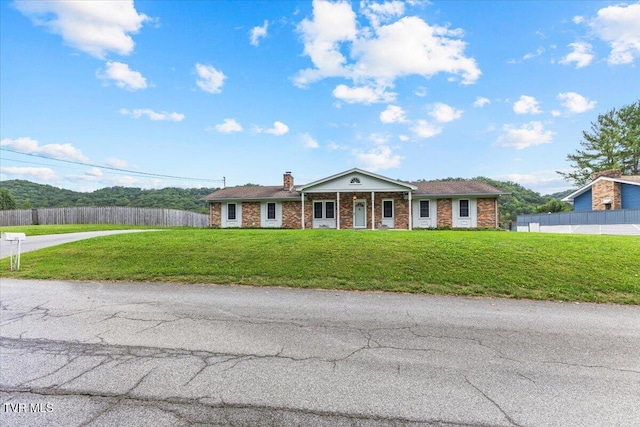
[355,180]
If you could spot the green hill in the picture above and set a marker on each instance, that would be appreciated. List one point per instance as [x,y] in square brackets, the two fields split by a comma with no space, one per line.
[31,195]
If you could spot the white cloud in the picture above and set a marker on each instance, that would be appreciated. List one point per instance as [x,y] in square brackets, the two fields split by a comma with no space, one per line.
[425,129]
[381,12]
[278,129]
[544,181]
[209,79]
[42,174]
[618,26]
[582,55]
[382,53]
[421,91]
[393,114]
[229,126]
[116,163]
[94,27]
[308,141]
[259,32]
[481,102]
[527,135]
[55,151]
[527,105]
[527,56]
[578,19]
[152,115]
[575,103]
[444,113]
[124,77]
[378,158]
[363,95]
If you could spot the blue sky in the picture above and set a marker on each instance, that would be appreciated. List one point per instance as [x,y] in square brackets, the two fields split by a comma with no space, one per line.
[147,94]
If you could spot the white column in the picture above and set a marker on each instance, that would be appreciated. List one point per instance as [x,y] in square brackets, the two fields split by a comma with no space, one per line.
[373,216]
[302,201]
[410,209]
[337,213]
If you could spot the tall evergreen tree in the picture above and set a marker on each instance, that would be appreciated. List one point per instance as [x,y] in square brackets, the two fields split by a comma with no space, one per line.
[613,142]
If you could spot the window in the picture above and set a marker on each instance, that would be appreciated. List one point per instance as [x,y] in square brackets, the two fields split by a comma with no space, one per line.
[355,180]
[329,210]
[464,208]
[324,210]
[424,209]
[231,211]
[271,211]
[387,208]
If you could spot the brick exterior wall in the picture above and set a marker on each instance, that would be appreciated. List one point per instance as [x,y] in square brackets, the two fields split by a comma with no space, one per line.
[291,214]
[487,213]
[445,213]
[400,208]
[250,214]
[606,190]
[215,212]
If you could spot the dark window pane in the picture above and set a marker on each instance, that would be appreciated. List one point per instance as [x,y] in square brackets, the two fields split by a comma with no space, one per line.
[464,208]
[424,209]
[387,208]
[271,211]
[231,211]
[329,208]
[317,210]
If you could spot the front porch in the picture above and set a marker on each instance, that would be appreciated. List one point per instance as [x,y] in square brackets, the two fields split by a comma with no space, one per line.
[357,210]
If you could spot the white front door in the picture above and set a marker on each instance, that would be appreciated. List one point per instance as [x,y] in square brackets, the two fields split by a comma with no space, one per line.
[360,214]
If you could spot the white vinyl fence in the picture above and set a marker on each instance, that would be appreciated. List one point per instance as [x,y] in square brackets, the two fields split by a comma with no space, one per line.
[104,215]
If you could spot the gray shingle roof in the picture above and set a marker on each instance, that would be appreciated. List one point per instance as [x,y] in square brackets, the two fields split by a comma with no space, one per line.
[425,188]
[252,192]
[455,188]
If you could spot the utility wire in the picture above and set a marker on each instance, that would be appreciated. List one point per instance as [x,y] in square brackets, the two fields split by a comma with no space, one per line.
[113,168]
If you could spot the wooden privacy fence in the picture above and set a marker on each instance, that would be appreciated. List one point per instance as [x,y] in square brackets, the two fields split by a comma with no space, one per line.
[104,215]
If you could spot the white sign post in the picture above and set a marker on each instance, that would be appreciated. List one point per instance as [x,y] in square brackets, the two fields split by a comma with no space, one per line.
[15,254]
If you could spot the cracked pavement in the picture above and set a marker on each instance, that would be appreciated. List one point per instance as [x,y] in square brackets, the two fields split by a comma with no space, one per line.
[102,354]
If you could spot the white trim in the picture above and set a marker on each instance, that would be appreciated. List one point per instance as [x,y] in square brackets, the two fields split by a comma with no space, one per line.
[373,212]
[224,218]
[470,221]
[324,222]
[430,221]
[364,210]
[302,202]
[389,222]
[586,188]
[338,210]
[264,211]
[410,219]
[360,171]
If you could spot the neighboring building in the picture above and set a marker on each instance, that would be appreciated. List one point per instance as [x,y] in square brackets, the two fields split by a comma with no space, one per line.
[356,199]
[608,190]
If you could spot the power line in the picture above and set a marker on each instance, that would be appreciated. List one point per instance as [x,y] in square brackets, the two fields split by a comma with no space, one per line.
[155,175]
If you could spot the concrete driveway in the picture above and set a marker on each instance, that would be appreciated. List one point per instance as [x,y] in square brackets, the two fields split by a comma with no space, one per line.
[136,354]
[33,243]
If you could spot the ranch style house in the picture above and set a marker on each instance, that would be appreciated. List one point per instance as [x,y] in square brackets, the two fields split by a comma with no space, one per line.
[356,199]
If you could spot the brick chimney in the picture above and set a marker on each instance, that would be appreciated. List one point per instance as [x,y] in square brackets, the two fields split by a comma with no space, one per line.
[288,181]
[611,173]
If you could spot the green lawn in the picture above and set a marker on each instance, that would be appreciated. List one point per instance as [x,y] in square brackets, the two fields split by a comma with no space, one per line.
[39,230]
[520,265]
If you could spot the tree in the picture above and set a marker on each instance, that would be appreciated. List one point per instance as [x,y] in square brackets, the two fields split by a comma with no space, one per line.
[553,206]
[7,202]
[613,142]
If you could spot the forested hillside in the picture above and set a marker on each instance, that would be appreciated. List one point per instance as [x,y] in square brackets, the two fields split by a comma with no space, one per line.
[31,195]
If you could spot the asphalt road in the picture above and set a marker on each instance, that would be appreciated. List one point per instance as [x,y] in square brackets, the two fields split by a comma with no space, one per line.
[32,243]
[114,354]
